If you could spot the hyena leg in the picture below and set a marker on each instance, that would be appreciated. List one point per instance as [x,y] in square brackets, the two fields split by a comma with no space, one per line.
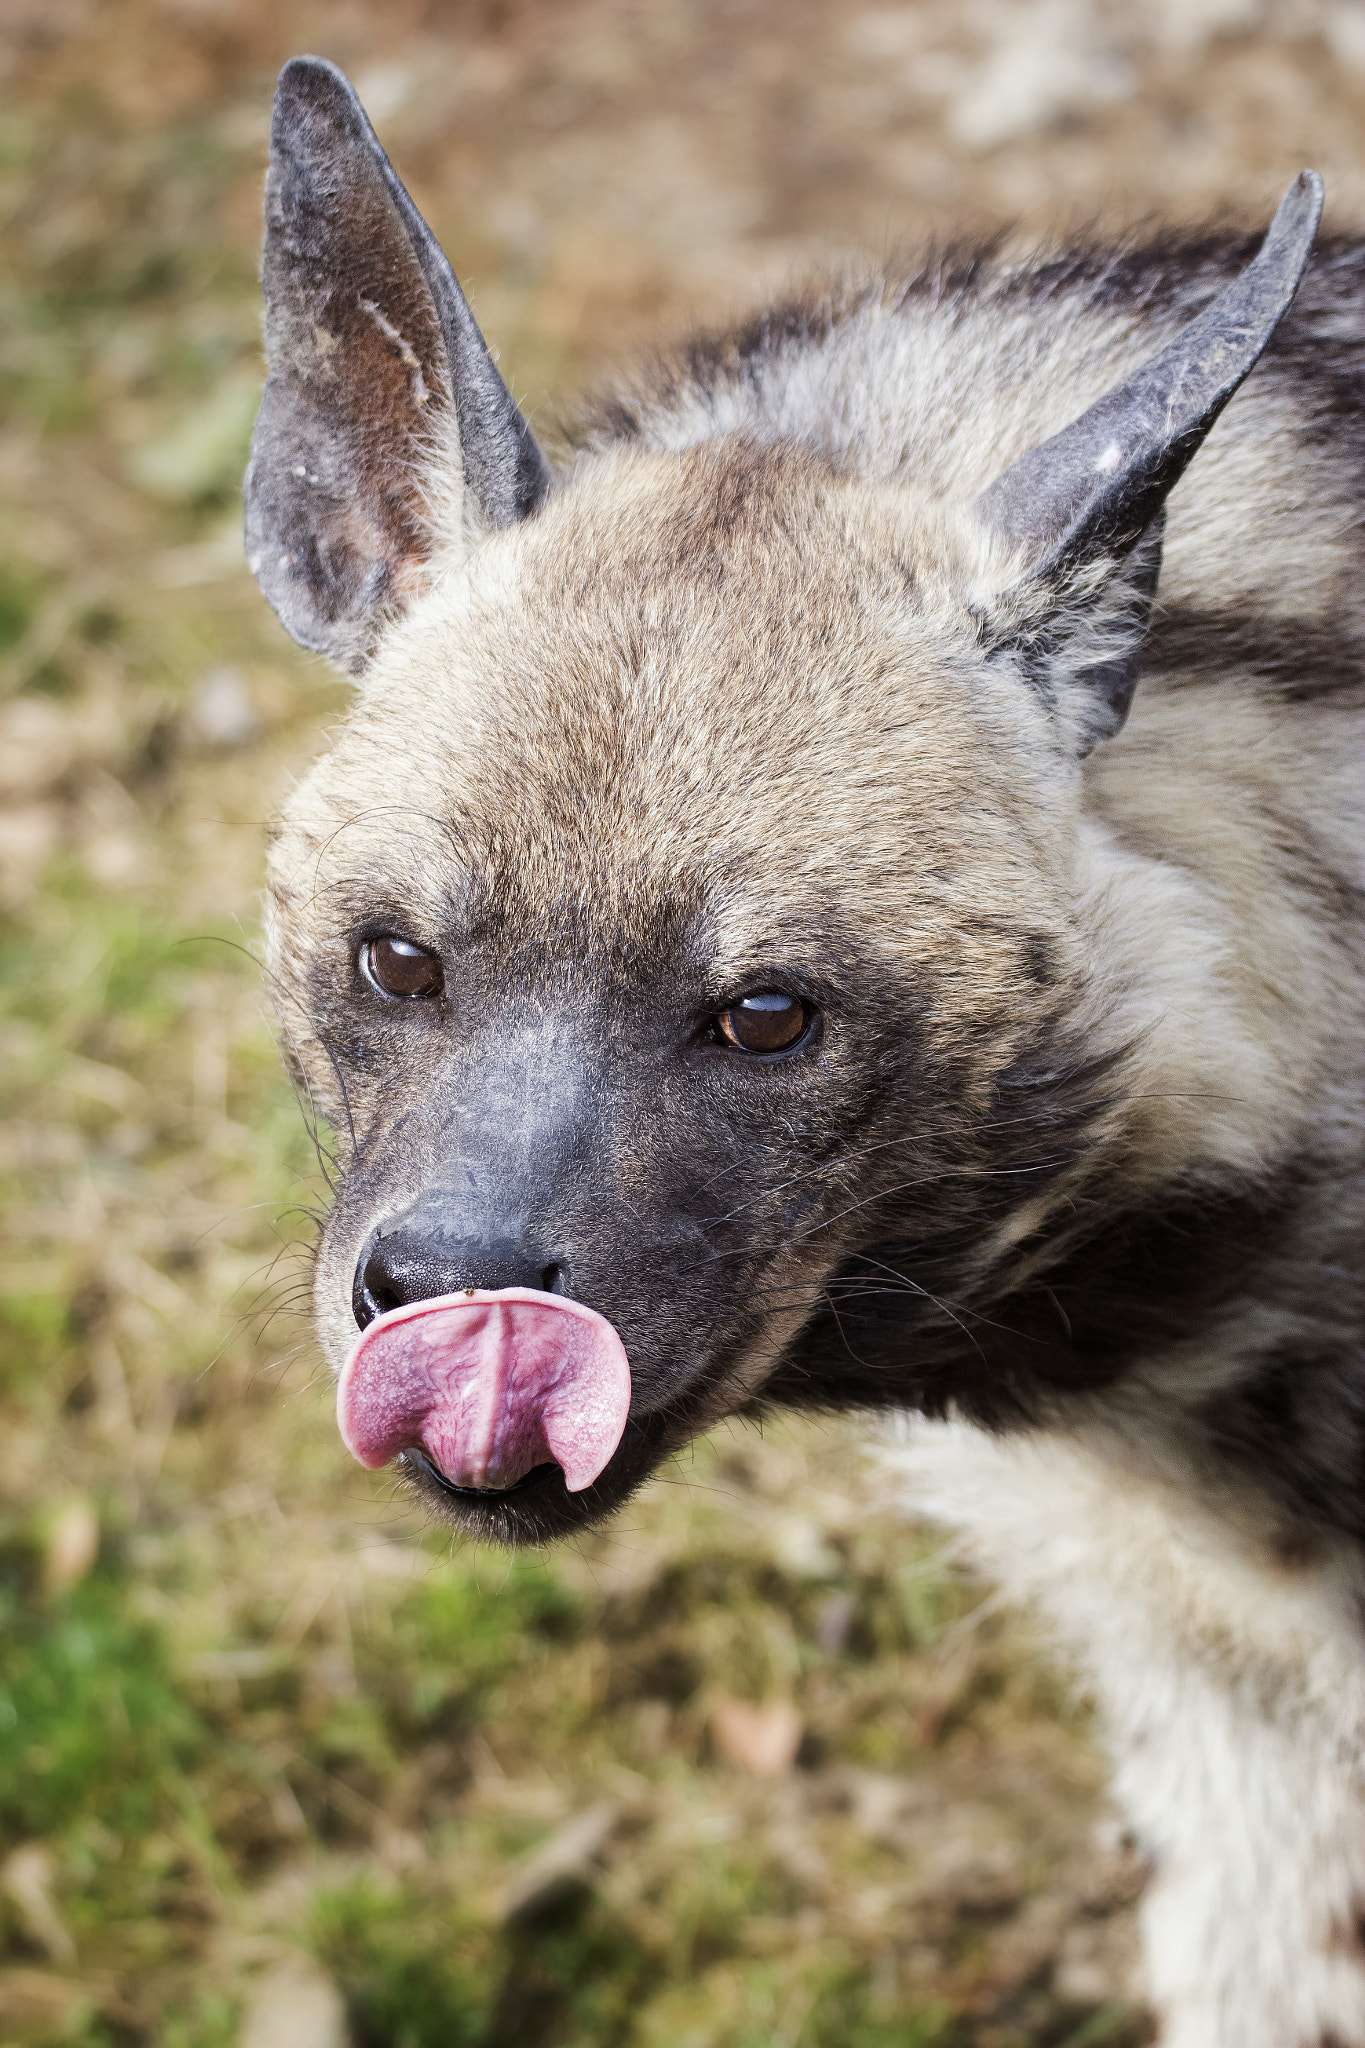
[1254,1924]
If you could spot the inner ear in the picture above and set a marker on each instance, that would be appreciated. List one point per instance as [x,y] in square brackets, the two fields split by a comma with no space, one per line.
[382,402]
[1078,631]
[1120,627]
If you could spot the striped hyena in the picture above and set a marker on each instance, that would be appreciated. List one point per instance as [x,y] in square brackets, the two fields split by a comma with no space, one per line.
[761,946]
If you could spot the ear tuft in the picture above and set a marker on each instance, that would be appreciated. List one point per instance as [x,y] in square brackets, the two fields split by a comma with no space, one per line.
[1077,634]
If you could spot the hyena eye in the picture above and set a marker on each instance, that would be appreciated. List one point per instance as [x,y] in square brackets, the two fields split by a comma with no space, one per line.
[396,967]
[770,1021]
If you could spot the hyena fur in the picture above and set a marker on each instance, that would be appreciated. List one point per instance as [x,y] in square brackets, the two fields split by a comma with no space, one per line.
[807,669]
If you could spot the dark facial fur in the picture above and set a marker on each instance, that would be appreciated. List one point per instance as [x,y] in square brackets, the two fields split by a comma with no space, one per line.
[750,701]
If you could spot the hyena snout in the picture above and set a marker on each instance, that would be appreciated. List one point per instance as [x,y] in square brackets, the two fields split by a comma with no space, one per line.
[428,1254]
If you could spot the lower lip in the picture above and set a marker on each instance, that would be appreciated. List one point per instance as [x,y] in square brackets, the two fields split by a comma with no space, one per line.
[491,1494]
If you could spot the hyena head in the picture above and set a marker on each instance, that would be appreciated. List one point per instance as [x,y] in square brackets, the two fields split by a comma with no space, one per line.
[685,921]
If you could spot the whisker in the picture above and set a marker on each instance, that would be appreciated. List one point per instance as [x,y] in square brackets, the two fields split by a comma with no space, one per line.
[1031,1167]
[847,1159]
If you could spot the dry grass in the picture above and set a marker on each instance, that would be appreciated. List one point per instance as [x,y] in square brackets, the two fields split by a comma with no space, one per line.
[757,1766]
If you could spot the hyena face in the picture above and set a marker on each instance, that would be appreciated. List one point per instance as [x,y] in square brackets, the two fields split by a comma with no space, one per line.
[686,922]
[699,919]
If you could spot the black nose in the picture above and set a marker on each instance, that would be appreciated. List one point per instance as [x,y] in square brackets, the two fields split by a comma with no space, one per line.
[414,1264]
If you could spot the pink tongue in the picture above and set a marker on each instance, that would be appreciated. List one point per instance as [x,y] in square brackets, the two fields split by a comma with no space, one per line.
[489,1386]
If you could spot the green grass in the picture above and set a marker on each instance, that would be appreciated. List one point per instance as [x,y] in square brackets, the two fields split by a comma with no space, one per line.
[91,1723]
[424,1972]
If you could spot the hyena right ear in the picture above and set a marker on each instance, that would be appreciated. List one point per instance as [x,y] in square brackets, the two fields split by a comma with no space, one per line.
[1081,515]
[376,371]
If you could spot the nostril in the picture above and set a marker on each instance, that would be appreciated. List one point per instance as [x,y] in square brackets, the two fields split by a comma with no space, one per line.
[374,1293]
[380,1299]
[552,1280]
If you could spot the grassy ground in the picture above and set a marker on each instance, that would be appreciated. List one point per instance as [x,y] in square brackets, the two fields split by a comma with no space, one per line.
[757,1766]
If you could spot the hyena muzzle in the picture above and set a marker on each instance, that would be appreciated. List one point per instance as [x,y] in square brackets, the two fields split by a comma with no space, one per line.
[759,945]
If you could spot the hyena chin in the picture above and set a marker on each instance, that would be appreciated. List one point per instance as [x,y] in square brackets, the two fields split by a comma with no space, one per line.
[753,917]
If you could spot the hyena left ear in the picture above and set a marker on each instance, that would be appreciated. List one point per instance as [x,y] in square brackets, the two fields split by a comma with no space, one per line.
[1086,509]
[376,371]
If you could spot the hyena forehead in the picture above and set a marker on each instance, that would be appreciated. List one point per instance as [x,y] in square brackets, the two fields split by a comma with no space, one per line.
[695,593]
[733,650]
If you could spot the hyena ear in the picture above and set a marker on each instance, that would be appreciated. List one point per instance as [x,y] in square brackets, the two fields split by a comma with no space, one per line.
[1084,511]
[376,371]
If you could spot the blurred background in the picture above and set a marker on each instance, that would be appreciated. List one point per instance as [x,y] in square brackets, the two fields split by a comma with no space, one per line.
[760,1767]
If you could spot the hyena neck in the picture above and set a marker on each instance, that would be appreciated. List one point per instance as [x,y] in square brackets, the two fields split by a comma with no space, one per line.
[1210,1339]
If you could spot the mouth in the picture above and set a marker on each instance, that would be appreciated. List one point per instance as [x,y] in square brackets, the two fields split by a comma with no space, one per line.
[509,1413]
[538,1507]
[489,1388]
[489,1496]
